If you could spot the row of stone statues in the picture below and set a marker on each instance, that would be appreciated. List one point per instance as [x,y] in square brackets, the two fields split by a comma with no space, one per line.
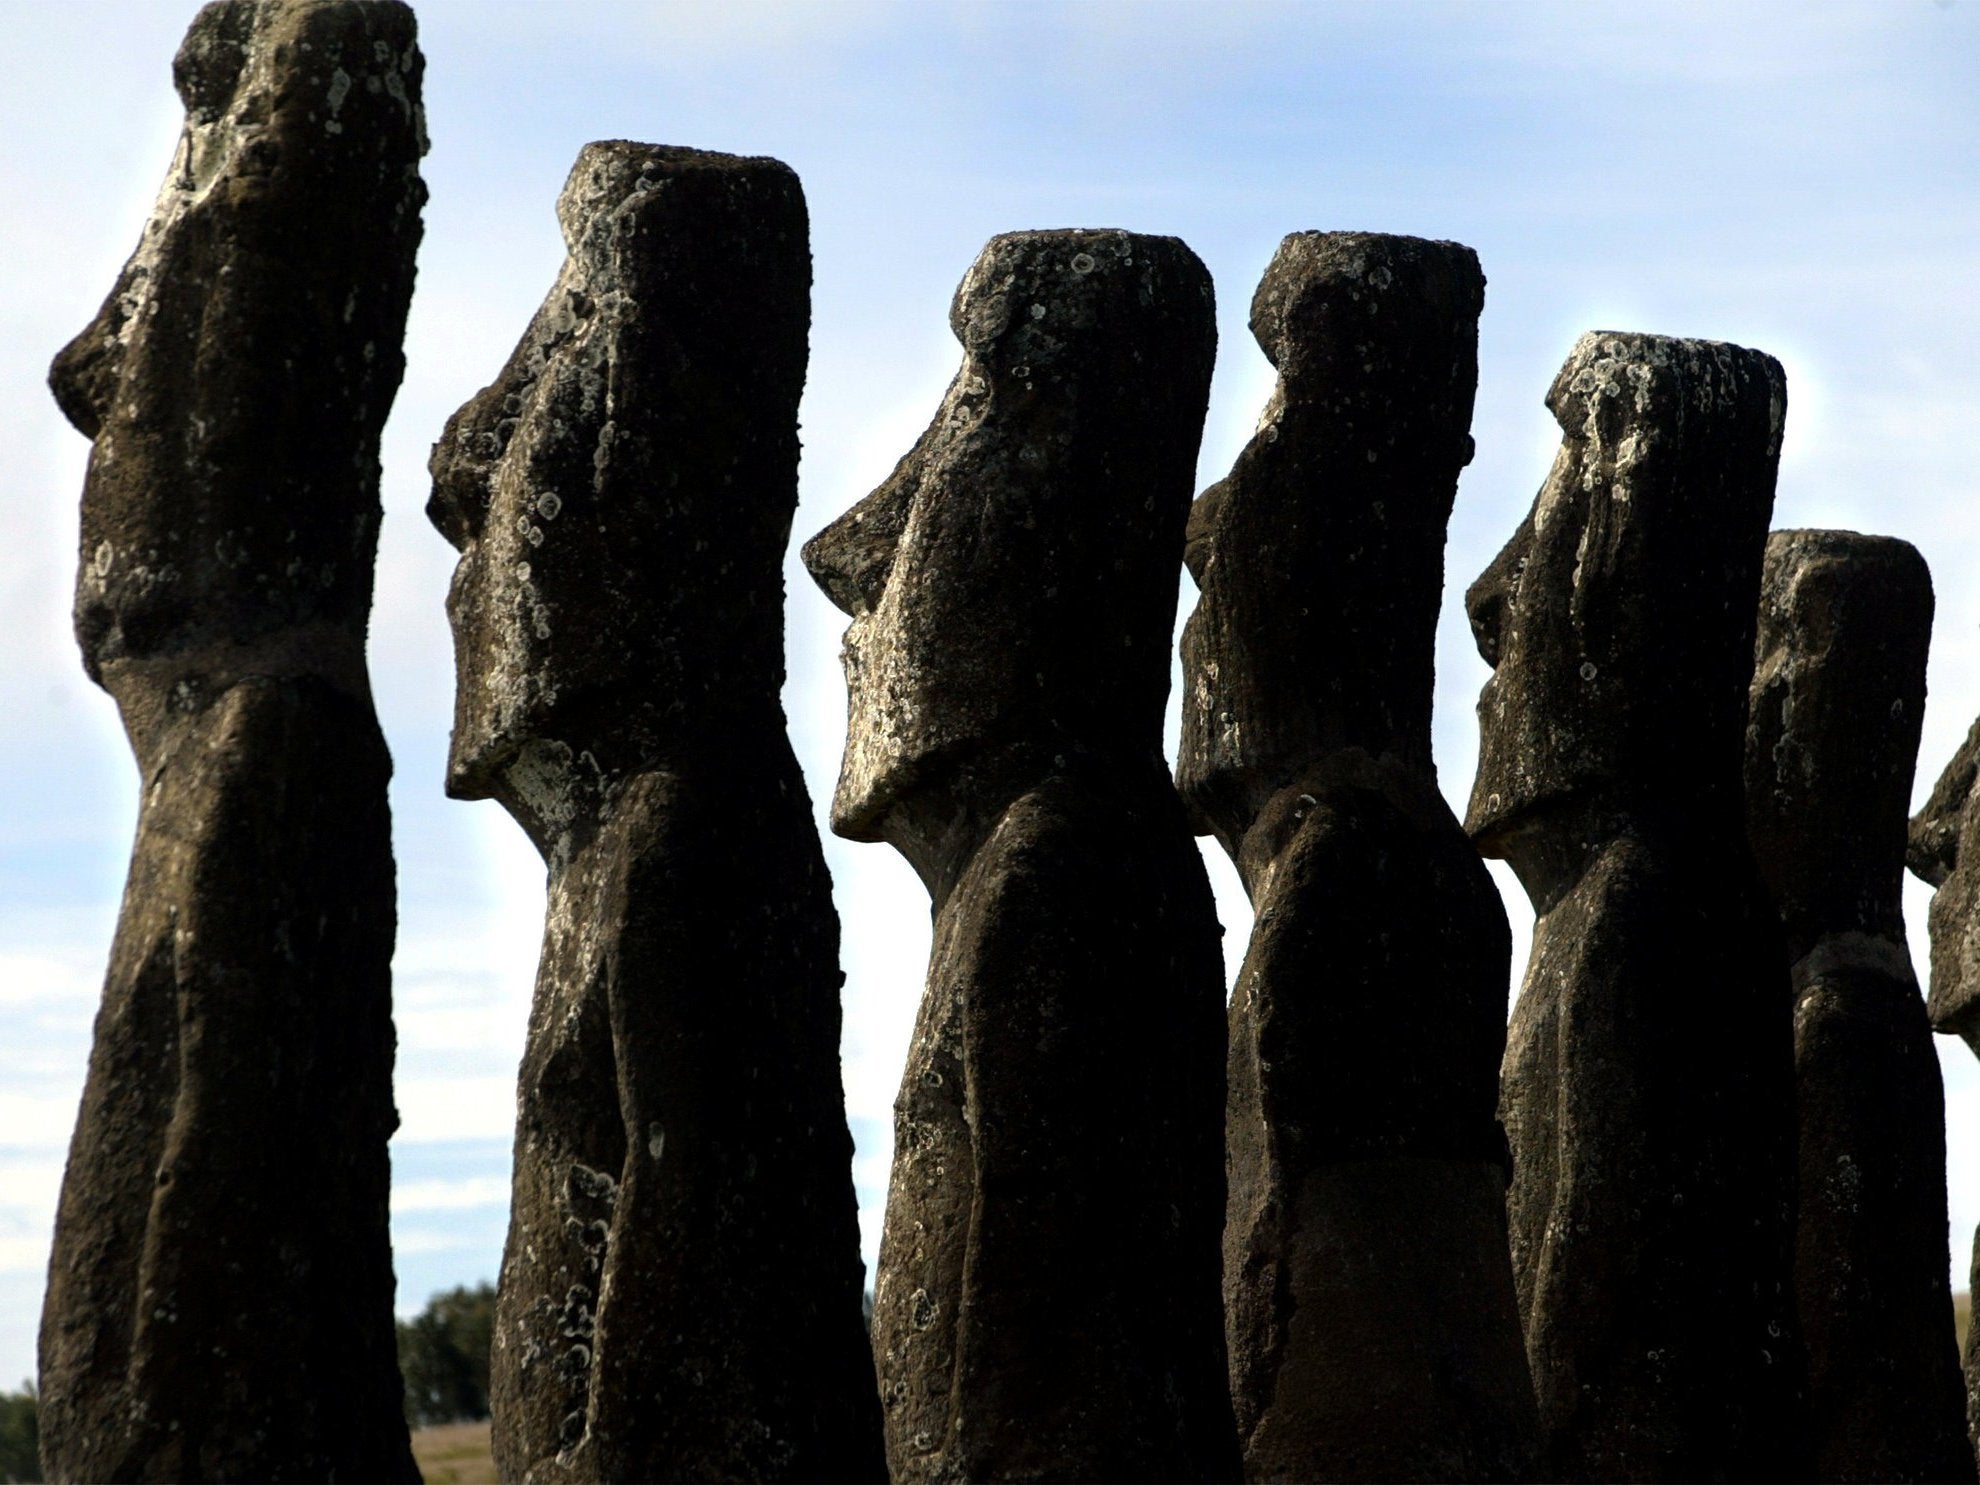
[1129,1234]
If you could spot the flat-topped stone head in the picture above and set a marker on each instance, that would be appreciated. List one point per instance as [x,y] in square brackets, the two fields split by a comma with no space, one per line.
[1012,585]
[236,378]
[621,496]
[1838,696]
[1321,555]
[1619,619]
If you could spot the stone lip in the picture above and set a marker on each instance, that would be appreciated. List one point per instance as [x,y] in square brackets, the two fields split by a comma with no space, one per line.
[1004,582]
[622,494]
[1619,618]
[1320,556]
[1837,699]
[236,377]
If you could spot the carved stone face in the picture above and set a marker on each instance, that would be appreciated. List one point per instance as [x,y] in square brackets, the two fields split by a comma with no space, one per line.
[1619,619]
[235,379]
[508,491]
[1012,584]
[622,494]
[1838,696]
[1320,556]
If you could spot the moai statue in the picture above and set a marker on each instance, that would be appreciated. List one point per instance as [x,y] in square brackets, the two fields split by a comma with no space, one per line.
[219,1300]
[1944,852]
[1831,741]
[1368,1293]
[1047,1300]
[1648,1088]
[680,1291]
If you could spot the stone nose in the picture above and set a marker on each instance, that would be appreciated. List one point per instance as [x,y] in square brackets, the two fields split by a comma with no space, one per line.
[1486,601]
[852,558]
[458,504]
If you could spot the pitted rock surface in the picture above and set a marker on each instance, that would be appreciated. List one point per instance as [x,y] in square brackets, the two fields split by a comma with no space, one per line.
[1370,1312]
[1838,695]
[680,1289]
[1648,1085]
[229,1162]
[1047,1301]
[1944,852]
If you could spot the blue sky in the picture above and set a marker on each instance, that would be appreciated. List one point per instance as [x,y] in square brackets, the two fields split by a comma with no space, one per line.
[1796,177]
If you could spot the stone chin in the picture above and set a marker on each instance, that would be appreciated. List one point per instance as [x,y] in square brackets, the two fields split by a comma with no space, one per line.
[1527,778]
[895,746]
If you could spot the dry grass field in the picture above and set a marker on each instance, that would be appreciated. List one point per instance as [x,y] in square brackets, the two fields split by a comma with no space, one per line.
[454,1454]
[457,1453]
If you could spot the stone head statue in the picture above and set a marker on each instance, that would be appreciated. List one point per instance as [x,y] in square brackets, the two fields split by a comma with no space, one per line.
[1944,852]
[254,335]
[1619,619]
[1321,555]
[1838,697]
[1012,584]
[624,490]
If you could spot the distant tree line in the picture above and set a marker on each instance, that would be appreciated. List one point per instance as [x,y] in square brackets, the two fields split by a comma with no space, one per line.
[20,1435]
[443,1355]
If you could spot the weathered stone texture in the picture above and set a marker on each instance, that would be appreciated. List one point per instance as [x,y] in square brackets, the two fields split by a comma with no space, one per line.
[220,1293]
[1648,1086]
[1944,851]
[1832,737]
[1369,1302]
[680,1290]
[1046,1306]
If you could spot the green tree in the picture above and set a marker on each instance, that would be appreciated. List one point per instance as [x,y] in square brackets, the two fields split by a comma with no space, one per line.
[443,1355]
[20,1435]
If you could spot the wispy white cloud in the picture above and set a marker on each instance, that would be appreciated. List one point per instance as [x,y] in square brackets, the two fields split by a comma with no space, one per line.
[450,1196]
[436,1109]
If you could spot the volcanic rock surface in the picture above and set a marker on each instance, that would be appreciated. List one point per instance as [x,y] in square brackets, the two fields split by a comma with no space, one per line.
[1648,1088]
[1047,1301]
[1832,738]
[1369,1302]
[680,1290]
[220,1294]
